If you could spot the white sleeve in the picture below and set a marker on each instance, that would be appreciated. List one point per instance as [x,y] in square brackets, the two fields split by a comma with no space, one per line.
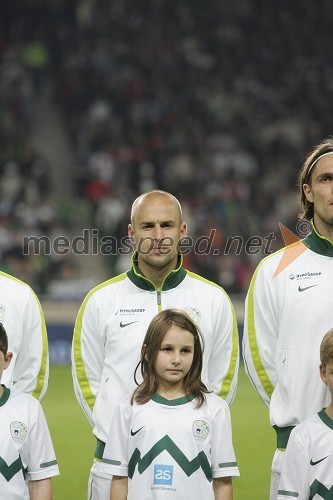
[31,369]
[260,333]
[87,356]
[223,361]
[42,462]
[294,477]
[223,456]
[115,457]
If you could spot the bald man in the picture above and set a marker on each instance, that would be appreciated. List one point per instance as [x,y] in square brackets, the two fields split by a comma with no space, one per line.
[114,317]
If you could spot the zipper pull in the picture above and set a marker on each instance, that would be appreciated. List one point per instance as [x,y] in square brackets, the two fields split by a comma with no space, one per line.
[158,297]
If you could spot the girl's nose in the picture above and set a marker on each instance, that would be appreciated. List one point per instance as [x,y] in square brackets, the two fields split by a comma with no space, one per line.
[176,359]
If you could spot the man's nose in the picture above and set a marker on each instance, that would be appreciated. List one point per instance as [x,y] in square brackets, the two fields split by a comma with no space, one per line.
[157,232]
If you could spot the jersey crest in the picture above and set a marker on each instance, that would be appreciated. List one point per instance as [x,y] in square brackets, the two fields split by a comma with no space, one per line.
[18,431]
[200,430]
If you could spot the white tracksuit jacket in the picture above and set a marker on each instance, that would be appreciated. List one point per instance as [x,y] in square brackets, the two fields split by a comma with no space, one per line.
[289,308]
[111,326]
[22,317]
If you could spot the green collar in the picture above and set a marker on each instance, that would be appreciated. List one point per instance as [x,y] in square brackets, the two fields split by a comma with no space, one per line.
[172,402]
[173,279]
[5,395]
[325,418]
[317,243]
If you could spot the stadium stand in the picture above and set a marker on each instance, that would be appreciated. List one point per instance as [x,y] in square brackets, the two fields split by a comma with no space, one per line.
[216,102]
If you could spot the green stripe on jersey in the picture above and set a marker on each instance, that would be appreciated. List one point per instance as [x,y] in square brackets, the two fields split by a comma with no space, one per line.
[111,462]
[226,384]
[9,471]
[48,464]
[227,464]
[43,366]
[167,444]
[77,353]
[288,493]
[259,367]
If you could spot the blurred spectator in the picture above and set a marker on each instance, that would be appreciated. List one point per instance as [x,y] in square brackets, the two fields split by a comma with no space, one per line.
[215,102]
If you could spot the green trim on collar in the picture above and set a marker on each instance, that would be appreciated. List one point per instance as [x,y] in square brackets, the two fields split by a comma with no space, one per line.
[325,418]
[317,243]
[172,280]
[172,402]
[5,395]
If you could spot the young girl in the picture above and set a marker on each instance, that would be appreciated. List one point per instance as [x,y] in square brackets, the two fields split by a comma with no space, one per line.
[172,439]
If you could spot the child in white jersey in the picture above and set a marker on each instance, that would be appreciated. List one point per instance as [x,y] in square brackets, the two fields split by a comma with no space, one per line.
[27,459]
[308,466]
[172,438]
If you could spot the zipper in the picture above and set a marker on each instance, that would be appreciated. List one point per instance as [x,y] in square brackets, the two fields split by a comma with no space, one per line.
[159,300]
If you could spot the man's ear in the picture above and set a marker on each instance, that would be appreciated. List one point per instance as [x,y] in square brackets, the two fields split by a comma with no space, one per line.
[308,192]
[130,231]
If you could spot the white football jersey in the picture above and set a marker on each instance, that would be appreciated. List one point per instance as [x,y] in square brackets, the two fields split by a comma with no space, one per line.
[308,466]
[26,450]
[171,446]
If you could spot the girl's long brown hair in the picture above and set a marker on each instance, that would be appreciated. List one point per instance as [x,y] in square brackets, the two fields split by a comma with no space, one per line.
[157,329]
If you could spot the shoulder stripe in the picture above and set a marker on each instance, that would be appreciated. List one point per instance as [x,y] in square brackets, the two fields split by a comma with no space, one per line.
[259,367]
[77,354]
[40,383]
[226,385]
[204,280]
[110,281]
[10,277]
[44,362]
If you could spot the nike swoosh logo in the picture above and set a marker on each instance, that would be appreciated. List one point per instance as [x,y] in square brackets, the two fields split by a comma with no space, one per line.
[300,289]
[122,325]
[135,432]
[317,461]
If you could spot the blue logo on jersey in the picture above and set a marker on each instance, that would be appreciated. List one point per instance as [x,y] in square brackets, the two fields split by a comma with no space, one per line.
[163,474]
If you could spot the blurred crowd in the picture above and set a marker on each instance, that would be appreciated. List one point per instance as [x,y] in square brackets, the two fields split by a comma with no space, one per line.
[217,102]
[26,199]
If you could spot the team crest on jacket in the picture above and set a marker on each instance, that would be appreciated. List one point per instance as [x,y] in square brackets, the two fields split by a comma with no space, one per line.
[200,430]
[18,431]
[193,313]
[2,313]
